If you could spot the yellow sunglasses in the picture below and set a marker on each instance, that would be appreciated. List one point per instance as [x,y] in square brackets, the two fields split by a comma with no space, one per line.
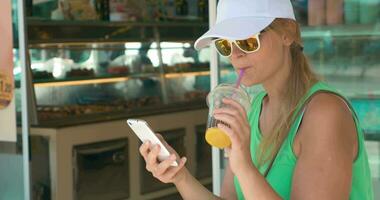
[249,45]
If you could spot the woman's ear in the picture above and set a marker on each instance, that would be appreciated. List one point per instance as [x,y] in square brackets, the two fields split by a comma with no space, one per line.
[286,40]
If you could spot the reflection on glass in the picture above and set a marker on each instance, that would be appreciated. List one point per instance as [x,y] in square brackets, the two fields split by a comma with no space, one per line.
[86,79]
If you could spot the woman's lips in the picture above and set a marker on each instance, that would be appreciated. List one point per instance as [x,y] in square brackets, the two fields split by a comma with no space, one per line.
[241,68]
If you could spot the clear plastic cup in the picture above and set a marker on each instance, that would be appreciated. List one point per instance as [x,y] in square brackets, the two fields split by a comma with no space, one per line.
[214,136]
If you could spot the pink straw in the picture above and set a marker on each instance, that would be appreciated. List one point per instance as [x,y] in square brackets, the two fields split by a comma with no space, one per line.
[241,73]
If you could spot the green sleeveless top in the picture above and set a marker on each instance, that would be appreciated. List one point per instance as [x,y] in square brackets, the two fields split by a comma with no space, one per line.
[281,174]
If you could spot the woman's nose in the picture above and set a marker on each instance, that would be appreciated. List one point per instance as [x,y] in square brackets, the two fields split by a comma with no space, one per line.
[236,52]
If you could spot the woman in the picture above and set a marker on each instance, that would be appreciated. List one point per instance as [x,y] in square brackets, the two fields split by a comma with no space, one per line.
[300,141]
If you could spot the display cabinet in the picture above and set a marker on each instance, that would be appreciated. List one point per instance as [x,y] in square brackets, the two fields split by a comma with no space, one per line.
[87,72]
[87,77]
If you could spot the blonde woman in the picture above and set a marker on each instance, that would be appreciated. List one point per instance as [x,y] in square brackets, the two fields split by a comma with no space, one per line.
[301,139]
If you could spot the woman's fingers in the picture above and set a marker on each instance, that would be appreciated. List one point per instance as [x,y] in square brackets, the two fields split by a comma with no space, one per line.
[235,139]
[170,149]
[241,120]
[163,166]
[163,171]
[144,149]
[172,172]
[237,107]
[151,160]
[234,124]
[160,137]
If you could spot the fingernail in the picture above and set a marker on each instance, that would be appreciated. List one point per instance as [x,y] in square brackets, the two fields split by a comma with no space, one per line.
[184,159]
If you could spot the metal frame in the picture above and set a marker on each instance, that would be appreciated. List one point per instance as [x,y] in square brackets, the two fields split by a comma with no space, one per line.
[24,96]
[214,80]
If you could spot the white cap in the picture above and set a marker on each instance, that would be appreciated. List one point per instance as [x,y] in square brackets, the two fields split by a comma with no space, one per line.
[240,19]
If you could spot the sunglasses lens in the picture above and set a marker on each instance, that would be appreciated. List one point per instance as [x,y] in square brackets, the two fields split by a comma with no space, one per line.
[250,44]
[223,47]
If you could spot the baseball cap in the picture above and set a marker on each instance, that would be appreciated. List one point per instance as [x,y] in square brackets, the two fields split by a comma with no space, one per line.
[240,19]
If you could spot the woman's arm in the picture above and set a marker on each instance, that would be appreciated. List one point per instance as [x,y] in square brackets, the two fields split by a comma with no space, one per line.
[228,191]
[190,188]
[187,185]
[252,183]
[328,148]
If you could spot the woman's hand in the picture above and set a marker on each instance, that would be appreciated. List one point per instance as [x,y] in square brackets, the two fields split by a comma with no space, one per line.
[162,170]
[239,131]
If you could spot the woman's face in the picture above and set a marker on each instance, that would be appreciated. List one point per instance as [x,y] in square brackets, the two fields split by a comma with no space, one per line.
[264,64]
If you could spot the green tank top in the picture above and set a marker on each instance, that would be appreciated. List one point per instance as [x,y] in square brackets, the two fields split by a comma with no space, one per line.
[281,173]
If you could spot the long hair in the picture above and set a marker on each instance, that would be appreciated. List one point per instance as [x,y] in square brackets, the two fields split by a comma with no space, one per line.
[300,80]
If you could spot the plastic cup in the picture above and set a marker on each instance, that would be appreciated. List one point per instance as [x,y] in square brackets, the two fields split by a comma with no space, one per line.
[215,136]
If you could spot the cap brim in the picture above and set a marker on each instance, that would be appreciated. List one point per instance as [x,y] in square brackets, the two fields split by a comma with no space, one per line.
[234,29]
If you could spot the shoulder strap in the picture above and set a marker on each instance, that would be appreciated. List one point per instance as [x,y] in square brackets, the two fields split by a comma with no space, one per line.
[298,114]
[256,103]
[318,87]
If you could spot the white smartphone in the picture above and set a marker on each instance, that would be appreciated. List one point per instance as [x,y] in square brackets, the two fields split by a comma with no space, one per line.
[144,133]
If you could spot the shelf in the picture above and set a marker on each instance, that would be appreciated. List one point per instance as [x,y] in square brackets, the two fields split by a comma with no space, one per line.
[49,31]
[350,31]
[59,32]
[78,81]
[111,79]
[123,114]
[372,136]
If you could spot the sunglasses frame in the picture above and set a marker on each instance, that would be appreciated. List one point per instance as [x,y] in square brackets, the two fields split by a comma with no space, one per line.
[256,36]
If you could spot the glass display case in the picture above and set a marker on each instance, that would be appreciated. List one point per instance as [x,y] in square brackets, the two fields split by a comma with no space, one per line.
[86,72]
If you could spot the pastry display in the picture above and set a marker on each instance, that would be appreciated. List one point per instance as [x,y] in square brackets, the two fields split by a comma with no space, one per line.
[59,112]
[187,67]
[201,66]
[183,67]
[42,75]
[192,95]
[118,70]
[80,73]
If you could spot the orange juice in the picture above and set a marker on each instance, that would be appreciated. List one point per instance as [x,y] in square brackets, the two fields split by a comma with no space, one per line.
[217,138]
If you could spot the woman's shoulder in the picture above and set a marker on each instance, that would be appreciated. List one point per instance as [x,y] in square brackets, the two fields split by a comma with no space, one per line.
[327,118]
[327,106]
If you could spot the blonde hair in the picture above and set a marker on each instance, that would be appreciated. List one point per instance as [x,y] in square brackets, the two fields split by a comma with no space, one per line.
[300,80]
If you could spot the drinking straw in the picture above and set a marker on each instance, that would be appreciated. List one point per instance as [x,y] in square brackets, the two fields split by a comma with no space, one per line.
[241,73]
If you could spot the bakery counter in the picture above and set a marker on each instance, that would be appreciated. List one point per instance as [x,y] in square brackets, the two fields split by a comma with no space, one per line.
[94,160]
[65,116]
